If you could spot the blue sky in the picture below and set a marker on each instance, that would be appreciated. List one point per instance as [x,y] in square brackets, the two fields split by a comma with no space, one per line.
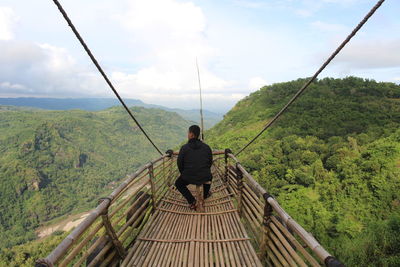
[149,47]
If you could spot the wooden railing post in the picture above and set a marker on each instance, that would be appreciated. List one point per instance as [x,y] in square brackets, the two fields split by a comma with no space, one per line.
[265,226]
[227,151]
[110,230]
[170,154]
[239,181]
[152,184]
[164,174]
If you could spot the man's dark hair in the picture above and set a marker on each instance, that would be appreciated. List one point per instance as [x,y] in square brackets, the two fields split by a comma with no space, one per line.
[195,129]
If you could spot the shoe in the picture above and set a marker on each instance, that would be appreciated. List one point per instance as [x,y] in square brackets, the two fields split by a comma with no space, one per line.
[208,195]
[193,206]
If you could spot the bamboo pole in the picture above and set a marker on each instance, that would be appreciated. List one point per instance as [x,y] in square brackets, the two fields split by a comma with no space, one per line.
[64,246]
[296,243]
[288,246]
[200,198]
[226,164]
[153,188]
[265,228]
[111,233]
[77,249]
[281,249]
[239,177]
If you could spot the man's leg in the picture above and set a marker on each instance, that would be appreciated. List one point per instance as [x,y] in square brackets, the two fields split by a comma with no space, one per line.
[206,189]
[181,185]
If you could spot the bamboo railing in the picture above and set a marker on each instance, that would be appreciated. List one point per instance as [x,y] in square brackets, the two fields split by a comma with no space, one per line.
[107,235]
[111,228]
[280,240]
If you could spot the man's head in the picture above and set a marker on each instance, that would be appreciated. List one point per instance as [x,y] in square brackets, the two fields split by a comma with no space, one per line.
[194,132]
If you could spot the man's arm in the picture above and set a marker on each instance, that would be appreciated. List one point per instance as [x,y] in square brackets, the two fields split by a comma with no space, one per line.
[210,156]
[180,160]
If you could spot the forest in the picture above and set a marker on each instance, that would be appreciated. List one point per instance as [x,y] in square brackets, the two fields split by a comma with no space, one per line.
[54,163]
[332,161]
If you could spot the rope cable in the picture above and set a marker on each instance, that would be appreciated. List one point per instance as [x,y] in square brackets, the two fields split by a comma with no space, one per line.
[304,87]
[78,36]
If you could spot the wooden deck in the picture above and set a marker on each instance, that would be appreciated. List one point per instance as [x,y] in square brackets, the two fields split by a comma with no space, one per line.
[177,236]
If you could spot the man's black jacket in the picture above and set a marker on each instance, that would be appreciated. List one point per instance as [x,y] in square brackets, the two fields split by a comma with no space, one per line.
[194,162]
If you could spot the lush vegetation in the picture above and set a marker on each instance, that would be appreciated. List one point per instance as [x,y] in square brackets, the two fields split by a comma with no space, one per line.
[332,161]
[26,254]
[58,162]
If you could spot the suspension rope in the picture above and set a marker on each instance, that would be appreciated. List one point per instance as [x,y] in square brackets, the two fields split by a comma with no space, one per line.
[302,89]
[78,36]
[201,104]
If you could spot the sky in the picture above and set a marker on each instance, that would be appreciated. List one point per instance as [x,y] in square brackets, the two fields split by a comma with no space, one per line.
[149,48]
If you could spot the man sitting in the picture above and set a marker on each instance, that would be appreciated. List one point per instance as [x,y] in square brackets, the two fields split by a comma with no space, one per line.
[194,164]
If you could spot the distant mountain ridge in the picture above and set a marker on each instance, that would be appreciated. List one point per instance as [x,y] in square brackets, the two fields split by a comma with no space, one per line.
[97,104]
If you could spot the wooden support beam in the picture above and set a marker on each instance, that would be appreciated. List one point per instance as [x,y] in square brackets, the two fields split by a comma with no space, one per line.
[239,181]
[265,227]
[226,157]
[111,233]
[152,184]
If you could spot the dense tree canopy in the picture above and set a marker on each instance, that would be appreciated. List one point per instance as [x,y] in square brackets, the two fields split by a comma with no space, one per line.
[57,162]
[332,161]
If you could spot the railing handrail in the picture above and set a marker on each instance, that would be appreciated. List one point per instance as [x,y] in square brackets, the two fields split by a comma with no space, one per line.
[214,152]
[60,250]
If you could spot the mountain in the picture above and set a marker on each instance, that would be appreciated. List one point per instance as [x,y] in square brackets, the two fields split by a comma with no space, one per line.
[97,104]
[48,158]
[332,161]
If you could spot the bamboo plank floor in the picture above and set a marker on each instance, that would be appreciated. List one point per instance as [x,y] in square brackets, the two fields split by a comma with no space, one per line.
[178,236]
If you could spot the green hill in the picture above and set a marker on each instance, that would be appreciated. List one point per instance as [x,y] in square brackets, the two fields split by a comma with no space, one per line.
[332,161]
[97,104]
[48,158]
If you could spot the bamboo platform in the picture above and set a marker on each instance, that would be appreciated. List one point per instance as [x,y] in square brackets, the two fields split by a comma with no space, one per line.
[145,221]
[178,236]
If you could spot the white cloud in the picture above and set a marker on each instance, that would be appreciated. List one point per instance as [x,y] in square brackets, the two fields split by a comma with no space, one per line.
[13,86]
[218,102]
[179,18]
[342,2]
[308,8]
[250,4]
[7,21]
[256,83]
[42,69]
[58,58]
[149,47]
[328,27]
[369,54]
[170,37]
[302,12]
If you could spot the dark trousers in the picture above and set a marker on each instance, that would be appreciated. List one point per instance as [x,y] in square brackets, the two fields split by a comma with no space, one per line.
[181,185]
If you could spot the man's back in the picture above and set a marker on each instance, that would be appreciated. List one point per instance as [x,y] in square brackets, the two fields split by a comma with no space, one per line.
[194,162]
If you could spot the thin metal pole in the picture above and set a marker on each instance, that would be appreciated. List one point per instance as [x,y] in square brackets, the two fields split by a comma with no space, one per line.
[201,103]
